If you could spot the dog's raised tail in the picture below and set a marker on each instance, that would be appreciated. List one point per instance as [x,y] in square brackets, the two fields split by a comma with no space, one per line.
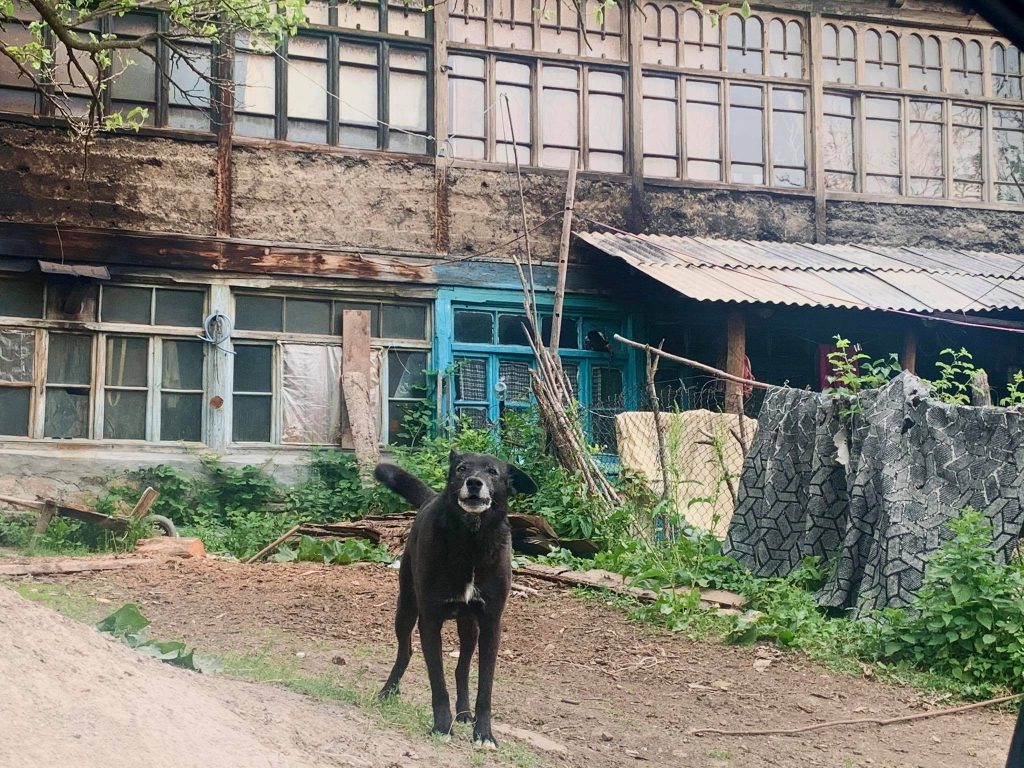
[406,485]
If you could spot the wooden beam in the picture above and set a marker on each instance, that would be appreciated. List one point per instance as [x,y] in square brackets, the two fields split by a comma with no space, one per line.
[908,357]
[442,160]
[225,128]
[563,255]
[817,130]
[359,423]
[735,359]
[48,513]
[146,501]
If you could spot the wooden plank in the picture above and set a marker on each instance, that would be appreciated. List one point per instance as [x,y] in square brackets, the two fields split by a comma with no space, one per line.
[220,374]
[70,566]
[225,126]
[817,130]
[359,423]
[736,340]
[142,507]
[171,546]
[38,506]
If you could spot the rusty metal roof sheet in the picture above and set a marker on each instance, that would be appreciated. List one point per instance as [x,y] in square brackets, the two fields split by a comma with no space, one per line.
[832,275]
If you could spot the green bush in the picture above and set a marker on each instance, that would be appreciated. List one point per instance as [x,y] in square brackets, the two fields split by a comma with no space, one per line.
[967,620]
[333,552]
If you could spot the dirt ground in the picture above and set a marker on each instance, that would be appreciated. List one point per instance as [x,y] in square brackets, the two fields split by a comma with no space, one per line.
[74,697]
[612,692]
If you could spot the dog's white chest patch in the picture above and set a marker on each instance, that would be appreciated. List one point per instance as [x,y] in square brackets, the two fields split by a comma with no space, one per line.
[470,590]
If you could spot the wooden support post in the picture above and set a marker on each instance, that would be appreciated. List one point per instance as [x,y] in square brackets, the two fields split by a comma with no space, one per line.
[817,142]
[736,353]
[47,514]
[981,392]
[443,150]
[220,374]
[563,255]
[224,116]
[908,358]
[359,424]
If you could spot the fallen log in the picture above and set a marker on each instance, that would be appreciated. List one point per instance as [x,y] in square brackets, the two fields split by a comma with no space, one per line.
[171,546]
[71,566]
[614,582]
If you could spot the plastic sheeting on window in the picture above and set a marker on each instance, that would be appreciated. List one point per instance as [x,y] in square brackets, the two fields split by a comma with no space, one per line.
[17,352]
[311,394]
[311,400]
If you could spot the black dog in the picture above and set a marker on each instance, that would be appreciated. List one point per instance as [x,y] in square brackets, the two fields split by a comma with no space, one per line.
[457,564]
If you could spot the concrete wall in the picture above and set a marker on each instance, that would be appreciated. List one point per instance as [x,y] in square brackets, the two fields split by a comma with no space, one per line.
[79,473]
[157,184]
[728,214]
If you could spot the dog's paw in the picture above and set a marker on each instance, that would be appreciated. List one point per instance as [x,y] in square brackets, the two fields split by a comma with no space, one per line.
[387,692]
[465,717]
[444,738]
[486,743]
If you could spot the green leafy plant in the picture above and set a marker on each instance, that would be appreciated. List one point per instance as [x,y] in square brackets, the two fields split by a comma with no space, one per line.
[955,373]
[333,552]
[1014,391]
[967,620]
[128,624]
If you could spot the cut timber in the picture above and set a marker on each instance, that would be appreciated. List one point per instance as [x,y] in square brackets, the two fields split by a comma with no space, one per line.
[47,514]
[614,582]
[359,424]
[71,566]
[273,545]
[167,546]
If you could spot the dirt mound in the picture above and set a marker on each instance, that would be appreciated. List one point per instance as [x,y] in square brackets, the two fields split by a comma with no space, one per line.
[73,696]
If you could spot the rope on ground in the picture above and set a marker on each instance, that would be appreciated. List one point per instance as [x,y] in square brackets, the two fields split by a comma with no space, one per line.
[860,721]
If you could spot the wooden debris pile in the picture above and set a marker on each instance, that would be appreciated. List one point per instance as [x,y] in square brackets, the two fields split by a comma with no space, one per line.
[531,534]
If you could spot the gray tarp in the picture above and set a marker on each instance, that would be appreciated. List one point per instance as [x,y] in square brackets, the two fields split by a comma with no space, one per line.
[877,500]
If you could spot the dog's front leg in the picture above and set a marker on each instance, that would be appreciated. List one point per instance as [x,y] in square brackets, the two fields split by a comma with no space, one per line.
[490,639]
[469,632]
[430,639]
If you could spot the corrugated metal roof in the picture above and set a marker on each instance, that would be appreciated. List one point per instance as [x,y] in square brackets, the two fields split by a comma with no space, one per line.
[839,275]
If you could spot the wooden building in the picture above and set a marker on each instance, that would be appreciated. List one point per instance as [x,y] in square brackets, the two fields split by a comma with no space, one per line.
[369,163]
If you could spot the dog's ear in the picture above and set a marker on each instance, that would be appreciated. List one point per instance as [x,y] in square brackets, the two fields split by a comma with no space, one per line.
[454,457]
[519,481]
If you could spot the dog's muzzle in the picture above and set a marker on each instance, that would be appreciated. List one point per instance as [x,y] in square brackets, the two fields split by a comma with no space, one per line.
[474,497]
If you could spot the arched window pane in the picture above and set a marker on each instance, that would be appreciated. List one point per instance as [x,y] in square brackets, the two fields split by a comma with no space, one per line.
[746,44]
[839,51]
[786,49]
[701,41]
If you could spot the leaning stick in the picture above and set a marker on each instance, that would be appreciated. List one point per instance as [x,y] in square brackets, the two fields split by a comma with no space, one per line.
[273,545]
[860,721]
[694,364]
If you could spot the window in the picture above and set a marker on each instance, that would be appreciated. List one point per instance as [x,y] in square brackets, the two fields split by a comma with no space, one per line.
[381,89]
[1009,154]
[137,86]
[881,59]
[110,381]
[604,32]
[288,366]
[746,134]
[481,133]
[789,160]
[702,41]
[152,306]
[745,38]
[253,399]
[924,148]
[1006,71]
[491,366]
[256,90]
[882,135]
[395,17]
[661,35]
[839,54]
[838,143]
[17,378]
[513,24]
[189,87]
[703,131]
[966,67]
[660,122]
[68,385]
[16,91]
[968,152]
[785,42]
[925,63]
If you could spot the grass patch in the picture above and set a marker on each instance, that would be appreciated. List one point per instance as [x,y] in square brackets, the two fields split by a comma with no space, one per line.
[62,599]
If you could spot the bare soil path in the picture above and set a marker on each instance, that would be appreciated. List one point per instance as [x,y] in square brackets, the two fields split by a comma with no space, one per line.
[612,692]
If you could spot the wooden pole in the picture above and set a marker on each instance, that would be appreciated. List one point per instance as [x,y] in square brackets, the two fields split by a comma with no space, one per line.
[224,111]
[360,425]
[694,364]
[908,359]
[274,544]
[734,360]
[563,255]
